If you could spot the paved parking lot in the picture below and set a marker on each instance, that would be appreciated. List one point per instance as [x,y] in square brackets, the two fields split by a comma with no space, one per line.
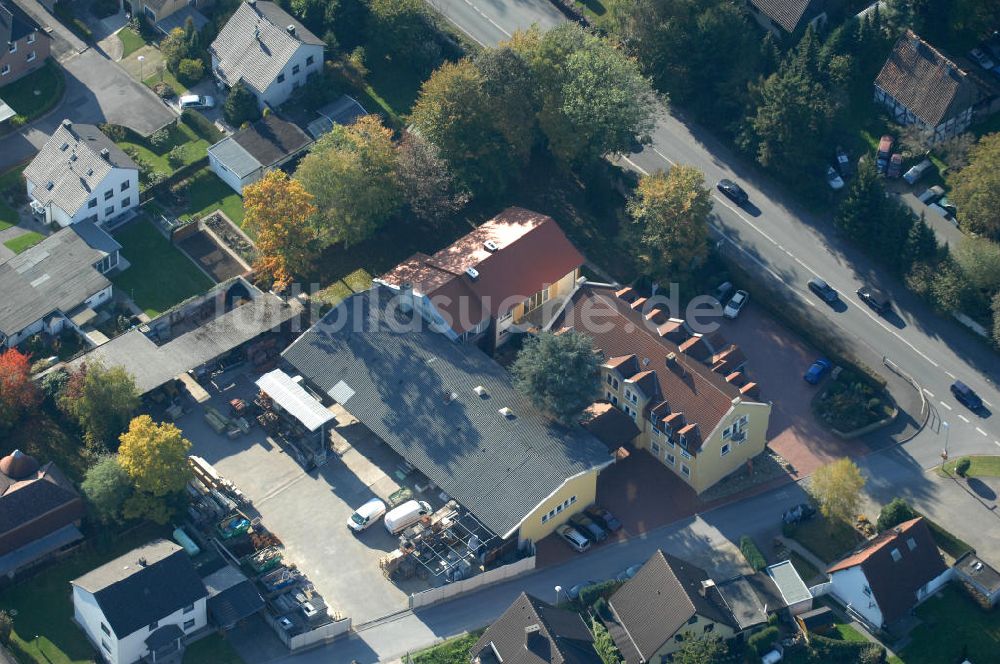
[308,511]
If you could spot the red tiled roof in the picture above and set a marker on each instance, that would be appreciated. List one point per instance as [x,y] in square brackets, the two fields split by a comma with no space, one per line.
[532,253]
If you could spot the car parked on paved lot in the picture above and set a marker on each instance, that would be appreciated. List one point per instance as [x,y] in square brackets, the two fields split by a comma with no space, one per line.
[588,527]
[981,58]
[722,292]
[571,536]
[736,304]
[817,370]
[801,512]
[366,515]
[823,290]
[843,162]
[402,517]
[966,396]
[733,191]
[884,152]
[833,179]
[604,518]
[196,101]
[918,171]
[931,194]
[875,299]
[628,572]
[574,590]
[895,166]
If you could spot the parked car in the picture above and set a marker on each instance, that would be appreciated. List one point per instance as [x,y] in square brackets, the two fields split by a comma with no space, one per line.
[823,290]
[938,210]
[918,171]
[574,591]
[817,370]
[981,58]
[947,205]
[197,102]
[843,162]
[966,396]
[366,515]
[604,517]
[736,304]
[895,166]
[931,194]
[577,542]
[875,299]
[588,527]
[722,292]
[833,179]
[801,512]
[628,572]
[733,191]
[400,518]
[884,152]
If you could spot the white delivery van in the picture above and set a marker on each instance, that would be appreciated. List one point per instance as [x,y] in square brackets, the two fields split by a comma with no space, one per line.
[404,516]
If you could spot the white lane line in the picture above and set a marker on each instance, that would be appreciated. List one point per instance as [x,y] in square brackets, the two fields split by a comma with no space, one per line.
[491,21]
[987,403]
[928,393]
[950,375]
[635,165]
[983,433]
[997,443]
[665,157]
[945,405]
[964,419]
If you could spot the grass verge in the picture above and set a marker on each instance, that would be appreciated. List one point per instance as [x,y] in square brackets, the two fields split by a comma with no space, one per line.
[982,466]
[947,542]
[24,242]
[132,41]
[954,629]
[805,568]
[208,193]
[215,649]
[451,651]
[165,76]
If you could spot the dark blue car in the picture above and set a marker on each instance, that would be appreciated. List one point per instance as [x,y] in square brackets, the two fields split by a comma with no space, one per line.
[817,371]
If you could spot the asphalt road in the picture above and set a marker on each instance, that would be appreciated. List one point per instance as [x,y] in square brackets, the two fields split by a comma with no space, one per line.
[794,245]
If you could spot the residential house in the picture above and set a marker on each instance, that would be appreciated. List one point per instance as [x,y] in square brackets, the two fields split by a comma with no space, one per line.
[40,513]
[979,578]
[670,601]
[166,15]
[687,393]
[247,155]
[452,413]
[920,86]
[145,604]
[792,17]
[24,46]
[884,580]
[531,631]
[344,110]
[496,278]
[267,49]
[57,283]
[232,597]
[81,175]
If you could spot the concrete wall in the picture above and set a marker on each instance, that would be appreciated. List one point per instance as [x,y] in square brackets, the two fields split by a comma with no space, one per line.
[322,633]
[487,578]
[574,494]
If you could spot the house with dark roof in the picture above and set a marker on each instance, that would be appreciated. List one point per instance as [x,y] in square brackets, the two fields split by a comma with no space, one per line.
[535,632]
[57,283]
[81,175]
[670,601]
[266,48]
[792,17]
[24,46]
[494,280]
[451,412]
[145,604]
[247,155]
[885,579]
[687,393]
[921,86]
[40,512]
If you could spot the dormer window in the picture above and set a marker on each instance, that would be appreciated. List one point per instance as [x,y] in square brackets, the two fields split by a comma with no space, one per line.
[896,555]
[911,543]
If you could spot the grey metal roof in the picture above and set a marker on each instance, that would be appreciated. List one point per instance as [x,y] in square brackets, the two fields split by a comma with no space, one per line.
[69,169]
[255,44]
[791,586]
[344,111]
[293,399]
[235,157]
[38,548]
[57,274]
[415,389]
[96,237]
[143,586]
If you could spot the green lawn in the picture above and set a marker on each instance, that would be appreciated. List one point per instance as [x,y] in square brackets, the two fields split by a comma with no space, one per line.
[843,632]
[954,628]
[947,542]
[8,180]
[452,651]
[160,275]
[208,193]
[24,242]
[131,41]
[982,466]
[195,148]
[395,82]
[47,82]
[167,77]
[44,631]
[214,649]
[827,543]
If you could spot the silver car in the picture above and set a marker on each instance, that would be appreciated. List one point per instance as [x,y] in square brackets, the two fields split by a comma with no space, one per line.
[574,538]
[736,304]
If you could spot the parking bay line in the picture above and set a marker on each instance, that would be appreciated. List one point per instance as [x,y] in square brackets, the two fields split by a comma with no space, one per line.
[945,405]
[928,393]
[981,431]
[964,419]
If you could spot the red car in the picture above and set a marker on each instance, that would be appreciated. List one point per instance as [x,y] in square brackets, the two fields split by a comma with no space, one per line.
[895,166]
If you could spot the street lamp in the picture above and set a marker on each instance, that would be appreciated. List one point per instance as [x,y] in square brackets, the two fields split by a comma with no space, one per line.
[142,58]
[947,435]
[558,590]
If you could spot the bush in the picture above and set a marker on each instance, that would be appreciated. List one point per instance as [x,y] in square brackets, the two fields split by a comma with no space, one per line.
[164,90]
[115,132]
[159,138]
[752,553]
[201,125]
[893,514]
[590,594]
[761,642]
[241,106]
[604,644]
[190,71]
[963,465]
[176,156]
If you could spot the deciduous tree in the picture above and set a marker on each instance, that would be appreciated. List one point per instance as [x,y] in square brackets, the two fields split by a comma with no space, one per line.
[155,458]
[559,373]
[995,308]
[701,649]
[403,28]
[979,259]
[430,189]
[101,400]
[671,212]
[604,644]
[241,106]
[107,486]
[18,393]
[976,189]
[351,174]
[278,210]
[837,489]
[894,513]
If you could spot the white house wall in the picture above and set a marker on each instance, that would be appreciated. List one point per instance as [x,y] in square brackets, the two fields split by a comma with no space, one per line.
[849,587]
[277,93]
[88,616]
[226,175]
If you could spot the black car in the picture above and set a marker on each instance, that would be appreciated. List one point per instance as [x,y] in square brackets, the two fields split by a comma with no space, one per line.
[604,518]
[801,512]
[588,528]
[966,396]
[823,290]
[733,191]
[875,299]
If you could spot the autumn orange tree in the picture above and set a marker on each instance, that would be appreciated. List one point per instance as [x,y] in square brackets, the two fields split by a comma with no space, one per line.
[18,393]
[277,210]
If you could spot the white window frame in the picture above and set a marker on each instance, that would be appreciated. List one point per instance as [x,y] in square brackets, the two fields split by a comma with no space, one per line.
[31,57]
[5,70]
[32,37]
[13,47]
[726,449]
[654,447]
[671,459]
[685,470]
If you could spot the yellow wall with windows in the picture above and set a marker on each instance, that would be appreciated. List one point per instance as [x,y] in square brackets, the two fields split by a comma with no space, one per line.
[583,487]
[561,288]
[710,466]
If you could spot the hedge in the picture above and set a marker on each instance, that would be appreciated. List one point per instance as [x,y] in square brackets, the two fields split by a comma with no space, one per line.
[752,553]
[760,643]
[590,594]
[201,125]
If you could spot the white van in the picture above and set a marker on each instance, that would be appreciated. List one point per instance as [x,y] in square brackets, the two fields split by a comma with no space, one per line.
[405,515]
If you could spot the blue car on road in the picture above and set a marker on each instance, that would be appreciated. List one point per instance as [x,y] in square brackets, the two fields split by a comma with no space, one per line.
[817,371]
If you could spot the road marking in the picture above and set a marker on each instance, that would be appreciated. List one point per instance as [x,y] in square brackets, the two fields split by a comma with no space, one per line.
[665,157]
[945,405]
[491,21]
[950,375]
[964,419]
[635,165]
[997,443]
[981,431]
[987,403]
[928,393]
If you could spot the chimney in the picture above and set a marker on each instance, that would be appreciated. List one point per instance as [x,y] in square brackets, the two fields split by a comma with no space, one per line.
[142,562]
[256,32]
[491,246]
[705,585]
[472,273]
[536,643]
[406,297]
[291,29]
[106,153]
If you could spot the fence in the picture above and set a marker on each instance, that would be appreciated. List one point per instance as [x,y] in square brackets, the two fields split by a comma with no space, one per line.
[925,411]
[322,633]
[497,575]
